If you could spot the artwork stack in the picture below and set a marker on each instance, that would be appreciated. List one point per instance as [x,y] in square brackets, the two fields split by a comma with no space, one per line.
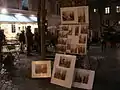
[72,39]
[73,31]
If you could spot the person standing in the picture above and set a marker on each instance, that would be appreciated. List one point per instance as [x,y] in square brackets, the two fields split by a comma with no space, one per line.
[29,40]
[22,41]
[36,41]
[2,39]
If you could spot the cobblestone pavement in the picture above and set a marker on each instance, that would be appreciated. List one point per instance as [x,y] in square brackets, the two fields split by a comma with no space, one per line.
[106,78]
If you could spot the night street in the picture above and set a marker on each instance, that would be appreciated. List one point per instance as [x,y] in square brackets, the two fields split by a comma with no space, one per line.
[106,78]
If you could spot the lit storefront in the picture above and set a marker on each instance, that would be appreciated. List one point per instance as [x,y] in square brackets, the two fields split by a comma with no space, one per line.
[14,23]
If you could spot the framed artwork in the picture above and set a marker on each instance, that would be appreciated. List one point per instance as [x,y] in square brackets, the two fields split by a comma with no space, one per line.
[69,15]
[71,38]
[83,39]
[83,79]
[83,14]
[82,49]
[63,70]
[41,69]
[84,29]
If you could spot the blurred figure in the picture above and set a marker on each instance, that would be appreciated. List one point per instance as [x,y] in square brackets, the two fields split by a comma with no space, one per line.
[9,64]
[36,41]
[29,40]
[2,39]
[22,41]
[103,44]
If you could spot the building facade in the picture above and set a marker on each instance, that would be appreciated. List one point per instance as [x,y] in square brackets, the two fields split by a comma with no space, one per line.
[22,13]
[109,16]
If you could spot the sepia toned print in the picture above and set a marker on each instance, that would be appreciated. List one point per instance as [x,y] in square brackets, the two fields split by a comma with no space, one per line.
[82,39]
[65,28]
[81,49]
[84,79]
[81,78]
[62,41]
[64,62]
[60,74]
[68,16]
[63,70]
[84,30]
[70,31]
[74,50]
[68,44]
[62,34]
[81,15]
[40,68]
[77,31]
[61,48]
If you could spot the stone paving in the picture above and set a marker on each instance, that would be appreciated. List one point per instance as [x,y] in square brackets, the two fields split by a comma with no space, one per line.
[106,78]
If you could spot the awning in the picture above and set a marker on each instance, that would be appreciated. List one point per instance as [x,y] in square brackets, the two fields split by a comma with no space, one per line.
[7,18]
[17,18]
[22,18]
[33,18]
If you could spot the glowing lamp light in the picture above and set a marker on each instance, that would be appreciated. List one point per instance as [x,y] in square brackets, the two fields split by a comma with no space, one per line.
[118,22]
[4,11]
[32,15]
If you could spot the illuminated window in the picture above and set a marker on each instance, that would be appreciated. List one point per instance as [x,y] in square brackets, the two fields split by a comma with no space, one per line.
[118,9]
[95,10]
[119,22]
[107,10]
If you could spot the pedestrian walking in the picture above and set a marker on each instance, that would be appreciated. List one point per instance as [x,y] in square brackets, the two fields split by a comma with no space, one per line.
[29,40]
[103,44]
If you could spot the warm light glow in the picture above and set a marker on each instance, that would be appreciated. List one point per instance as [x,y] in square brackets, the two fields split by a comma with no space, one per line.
[107,10]
[118,22]
[4,11]
[95,10]
[118,9]
[18,14]
[32,15]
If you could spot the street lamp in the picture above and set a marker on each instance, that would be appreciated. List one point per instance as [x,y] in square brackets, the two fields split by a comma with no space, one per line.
[4,11]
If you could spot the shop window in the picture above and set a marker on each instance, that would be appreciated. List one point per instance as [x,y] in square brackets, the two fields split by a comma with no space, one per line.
[107,10]
[13,28]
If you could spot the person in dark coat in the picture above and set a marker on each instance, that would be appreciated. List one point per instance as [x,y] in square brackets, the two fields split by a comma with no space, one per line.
[36,41]
[29,40]
[22,40]
[2,39]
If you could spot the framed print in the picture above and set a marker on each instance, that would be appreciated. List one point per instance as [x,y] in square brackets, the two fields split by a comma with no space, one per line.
[84,29]
[41,69]
[83,39]
[83,79]
[69,15]
[82,49]
[83,14]
[63,70]
[61,48]
[65,27]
